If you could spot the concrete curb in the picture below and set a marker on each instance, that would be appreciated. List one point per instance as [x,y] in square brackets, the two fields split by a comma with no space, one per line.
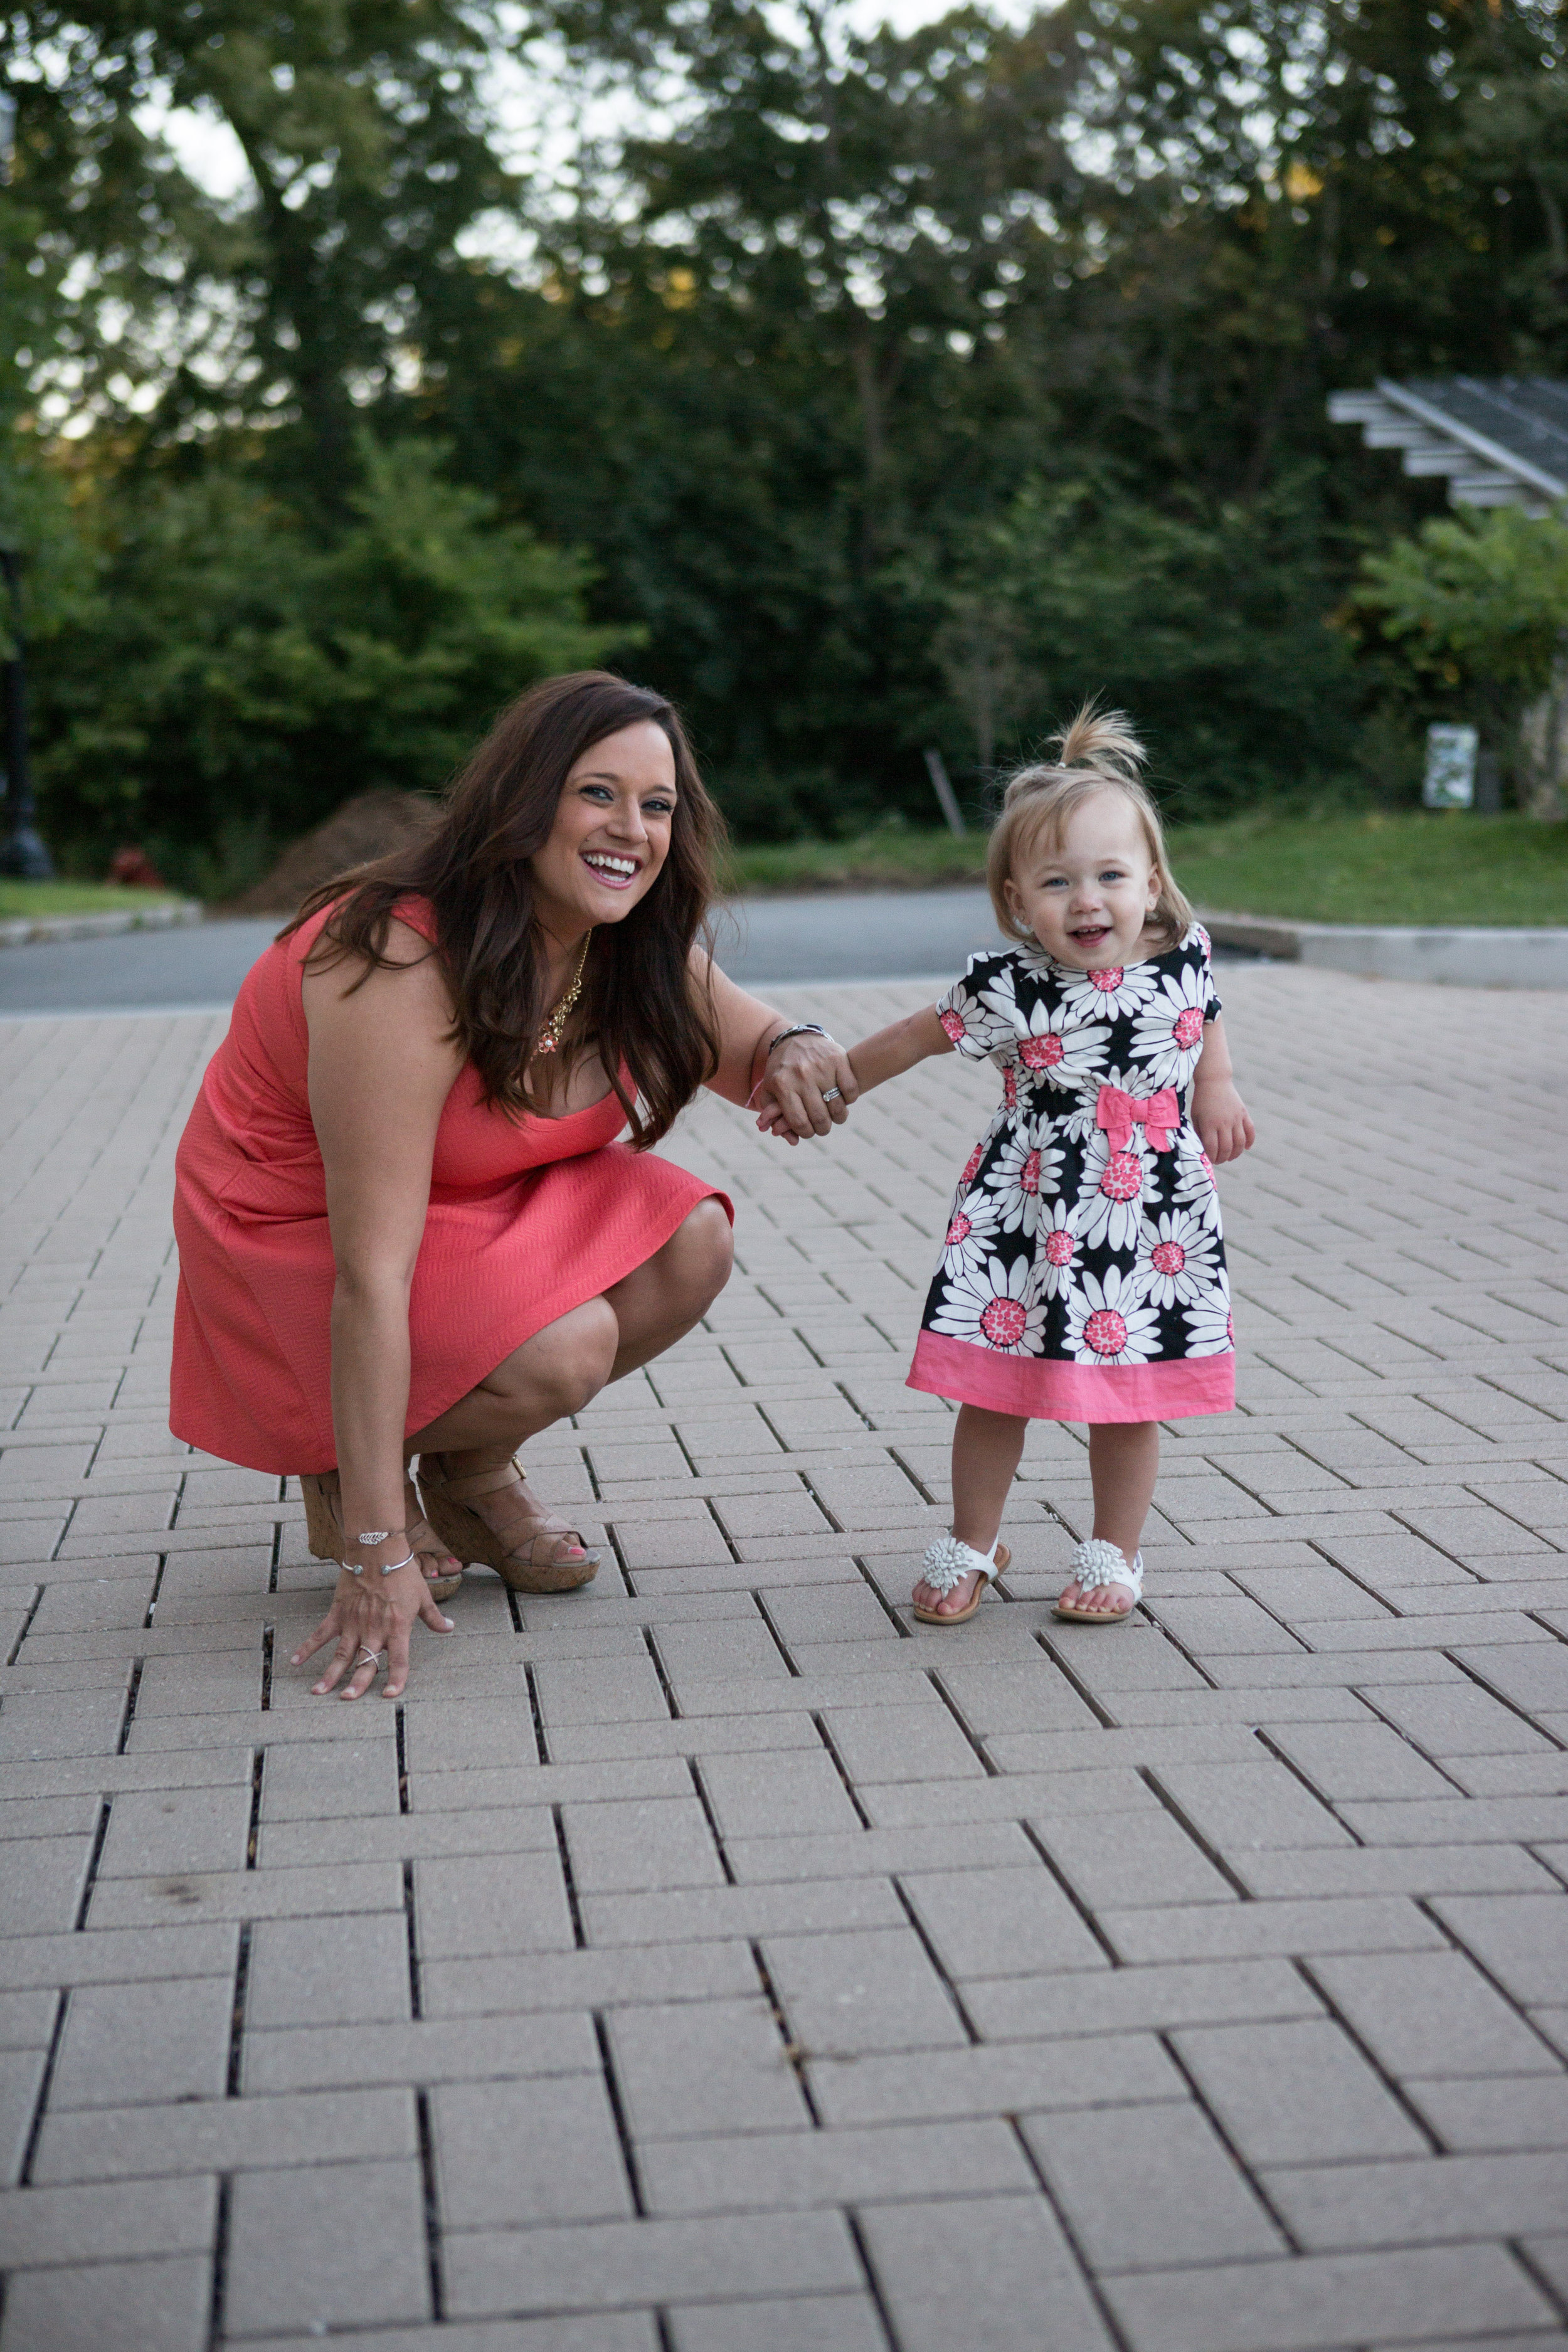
[23,930]
[1457,957]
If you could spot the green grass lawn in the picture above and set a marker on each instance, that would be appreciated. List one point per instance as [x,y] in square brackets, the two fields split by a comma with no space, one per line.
[1417,867]
[18,898]
[902,859]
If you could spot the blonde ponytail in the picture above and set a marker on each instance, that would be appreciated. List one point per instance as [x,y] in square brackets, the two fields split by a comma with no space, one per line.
[1100,739]
[1097,751]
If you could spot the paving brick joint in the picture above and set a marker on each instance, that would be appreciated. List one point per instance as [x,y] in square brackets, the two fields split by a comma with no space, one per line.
[715,1961]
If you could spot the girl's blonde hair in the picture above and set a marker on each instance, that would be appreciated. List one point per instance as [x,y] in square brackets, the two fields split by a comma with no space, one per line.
[1098,753]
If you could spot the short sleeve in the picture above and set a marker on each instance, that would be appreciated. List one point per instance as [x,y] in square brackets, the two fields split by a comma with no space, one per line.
[1212,1008]
[974,1026]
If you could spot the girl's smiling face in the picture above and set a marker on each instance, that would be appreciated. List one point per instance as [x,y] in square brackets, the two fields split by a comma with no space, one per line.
[1088,890]
[611,833]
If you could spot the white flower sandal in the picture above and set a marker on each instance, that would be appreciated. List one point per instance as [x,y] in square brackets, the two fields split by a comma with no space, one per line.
[946,1565]
[1098,1562]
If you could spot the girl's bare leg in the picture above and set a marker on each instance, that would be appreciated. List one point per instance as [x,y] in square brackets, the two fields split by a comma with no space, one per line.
[1124,1463]
[986,1447]
[564,1366]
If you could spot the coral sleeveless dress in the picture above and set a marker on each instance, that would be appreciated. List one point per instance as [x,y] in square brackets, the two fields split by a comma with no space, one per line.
[528,1218]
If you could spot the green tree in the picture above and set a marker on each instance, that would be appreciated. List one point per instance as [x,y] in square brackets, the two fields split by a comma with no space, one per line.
[1209,626]
[1480,601]
[783,356]
[367,151]
[233,671]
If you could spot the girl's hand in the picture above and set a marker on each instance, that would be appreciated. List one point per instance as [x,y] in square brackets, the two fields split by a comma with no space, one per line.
[774,1121]
[1220,1116]
[770,1118]
[372,1613]
[790,1094]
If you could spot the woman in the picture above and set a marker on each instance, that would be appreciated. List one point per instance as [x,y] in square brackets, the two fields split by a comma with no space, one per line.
[404,1227]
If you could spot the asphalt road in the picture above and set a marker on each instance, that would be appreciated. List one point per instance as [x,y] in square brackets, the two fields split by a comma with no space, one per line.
[764,942]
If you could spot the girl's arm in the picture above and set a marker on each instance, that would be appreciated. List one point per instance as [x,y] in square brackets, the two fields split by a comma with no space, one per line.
[1220,1116]
[887,1055]
[899,1047]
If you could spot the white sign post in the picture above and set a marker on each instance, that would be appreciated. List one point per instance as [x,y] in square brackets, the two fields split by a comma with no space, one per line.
[1450,778]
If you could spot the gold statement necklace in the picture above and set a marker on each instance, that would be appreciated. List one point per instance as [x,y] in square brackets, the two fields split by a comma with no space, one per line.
[549,1035]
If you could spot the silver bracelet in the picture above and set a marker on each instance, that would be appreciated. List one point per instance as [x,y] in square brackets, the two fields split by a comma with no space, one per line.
[801,1029]
[357,1567]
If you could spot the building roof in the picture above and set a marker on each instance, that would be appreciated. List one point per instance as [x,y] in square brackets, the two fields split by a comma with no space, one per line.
[1500,442]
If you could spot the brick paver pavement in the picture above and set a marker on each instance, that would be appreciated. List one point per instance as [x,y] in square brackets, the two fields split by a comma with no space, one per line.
[713,1961]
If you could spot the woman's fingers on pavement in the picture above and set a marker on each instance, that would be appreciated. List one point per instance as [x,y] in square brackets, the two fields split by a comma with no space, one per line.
[364,1674]
[343,1658]
[318,1639]
[398,1661]
[431,1615]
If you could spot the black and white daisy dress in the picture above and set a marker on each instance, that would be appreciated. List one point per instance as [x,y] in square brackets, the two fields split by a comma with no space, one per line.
[1083,1275]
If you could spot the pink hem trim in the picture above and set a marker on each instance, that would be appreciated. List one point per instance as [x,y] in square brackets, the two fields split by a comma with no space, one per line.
[1043,1387]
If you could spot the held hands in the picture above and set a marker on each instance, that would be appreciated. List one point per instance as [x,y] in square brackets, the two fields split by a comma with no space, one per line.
[370,1613]
[789,1099]
[1225,1129]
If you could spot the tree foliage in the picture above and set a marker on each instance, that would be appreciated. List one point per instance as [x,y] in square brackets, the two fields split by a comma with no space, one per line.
[1487,590]
[897,387]
[229,665]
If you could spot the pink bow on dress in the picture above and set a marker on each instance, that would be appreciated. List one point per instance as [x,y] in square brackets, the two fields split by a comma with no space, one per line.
[1159,1115]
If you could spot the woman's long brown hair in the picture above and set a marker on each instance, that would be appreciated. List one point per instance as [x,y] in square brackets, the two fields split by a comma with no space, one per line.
[640,1005]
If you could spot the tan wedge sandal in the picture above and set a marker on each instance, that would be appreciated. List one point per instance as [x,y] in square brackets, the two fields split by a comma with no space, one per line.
[524,1550]
[324,1528]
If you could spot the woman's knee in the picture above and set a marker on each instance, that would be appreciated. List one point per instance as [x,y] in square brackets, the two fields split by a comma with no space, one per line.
[564,1366]
[698,1256]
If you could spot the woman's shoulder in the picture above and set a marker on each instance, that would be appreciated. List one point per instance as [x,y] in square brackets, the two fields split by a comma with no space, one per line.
[418,914]
[355,973]
[410,920]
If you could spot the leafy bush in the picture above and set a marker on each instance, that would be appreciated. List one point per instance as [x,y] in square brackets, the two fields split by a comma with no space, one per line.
[232,678]
[1210,628]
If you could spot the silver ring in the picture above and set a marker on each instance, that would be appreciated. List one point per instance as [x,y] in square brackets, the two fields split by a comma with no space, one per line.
[832,1094]
[365,1651]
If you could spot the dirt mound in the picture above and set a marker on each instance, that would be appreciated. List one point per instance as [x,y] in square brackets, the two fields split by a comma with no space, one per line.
[365,827]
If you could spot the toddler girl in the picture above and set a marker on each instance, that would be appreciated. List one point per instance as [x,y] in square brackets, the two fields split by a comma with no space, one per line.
[1083,1273]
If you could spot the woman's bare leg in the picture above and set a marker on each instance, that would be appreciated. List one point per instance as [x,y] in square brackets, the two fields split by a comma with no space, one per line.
[550,1377]
[545,1380]
[661,1300]
[561,1369]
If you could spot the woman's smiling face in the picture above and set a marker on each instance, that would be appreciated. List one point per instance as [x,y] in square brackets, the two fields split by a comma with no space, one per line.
[611,833]
[1086,891]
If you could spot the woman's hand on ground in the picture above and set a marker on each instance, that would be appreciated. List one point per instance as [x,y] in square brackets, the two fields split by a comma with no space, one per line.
[1220,1116]
[796,1078]
[371,1616]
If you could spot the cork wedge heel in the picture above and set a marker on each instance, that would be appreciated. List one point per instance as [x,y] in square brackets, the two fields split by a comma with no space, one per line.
[525,1550]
